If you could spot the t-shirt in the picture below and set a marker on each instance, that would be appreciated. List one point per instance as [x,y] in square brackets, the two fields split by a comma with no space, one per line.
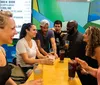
[22,47]
[45,40]
[60,42]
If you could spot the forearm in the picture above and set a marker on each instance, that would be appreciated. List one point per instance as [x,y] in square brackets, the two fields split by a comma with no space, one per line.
[40,56]
[54,48]
[10,82]
[92,71]
[43,52]
[32,61]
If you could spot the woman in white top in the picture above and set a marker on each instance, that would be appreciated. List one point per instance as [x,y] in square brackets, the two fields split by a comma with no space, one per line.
[27,49]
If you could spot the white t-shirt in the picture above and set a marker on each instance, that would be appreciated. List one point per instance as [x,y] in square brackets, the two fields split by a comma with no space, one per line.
[22,47]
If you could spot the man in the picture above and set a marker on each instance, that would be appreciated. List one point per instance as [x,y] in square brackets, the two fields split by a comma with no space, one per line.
[58,35]
[45,39]
[77,49]
[76,45]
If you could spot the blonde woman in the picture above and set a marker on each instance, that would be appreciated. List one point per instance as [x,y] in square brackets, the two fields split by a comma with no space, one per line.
[7,32]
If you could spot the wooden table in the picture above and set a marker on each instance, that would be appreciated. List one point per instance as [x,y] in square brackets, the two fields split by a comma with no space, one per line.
[57,74]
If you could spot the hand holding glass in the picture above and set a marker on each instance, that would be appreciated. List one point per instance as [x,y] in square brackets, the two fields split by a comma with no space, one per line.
[66,44]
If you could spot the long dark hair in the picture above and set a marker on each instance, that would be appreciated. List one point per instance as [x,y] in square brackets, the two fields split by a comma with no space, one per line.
[23,29]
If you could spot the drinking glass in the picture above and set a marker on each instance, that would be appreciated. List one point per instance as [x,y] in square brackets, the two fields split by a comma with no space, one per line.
[62,55]
[38,72]
[66,44]
[71,69]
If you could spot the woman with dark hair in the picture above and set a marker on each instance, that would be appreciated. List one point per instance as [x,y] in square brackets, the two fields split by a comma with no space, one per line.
[27,49]
[7,32]
[92,37]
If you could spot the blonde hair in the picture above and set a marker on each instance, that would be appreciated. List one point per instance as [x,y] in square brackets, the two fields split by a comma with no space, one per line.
[4,17]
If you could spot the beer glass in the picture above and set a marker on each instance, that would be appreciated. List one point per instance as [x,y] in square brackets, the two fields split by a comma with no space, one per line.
[62,55]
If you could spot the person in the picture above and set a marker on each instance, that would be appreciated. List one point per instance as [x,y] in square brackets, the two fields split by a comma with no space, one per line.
[92,38]
[59,34]
[75,38]
[27,50]
[45,39]
[77,49]
[7,31]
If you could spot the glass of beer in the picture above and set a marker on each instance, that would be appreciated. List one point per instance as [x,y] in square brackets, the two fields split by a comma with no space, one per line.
[62,55]
[71,69]
[38,72]
[66,44]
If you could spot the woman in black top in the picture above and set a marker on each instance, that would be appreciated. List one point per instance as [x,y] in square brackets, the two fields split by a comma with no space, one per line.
[7,31]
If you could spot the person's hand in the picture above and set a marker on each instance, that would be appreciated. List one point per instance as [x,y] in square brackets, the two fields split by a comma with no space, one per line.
[47,61]
[56,56]
[63,34]
[83,64]
[53,29]
[34,82]
[83,71]
[45,56]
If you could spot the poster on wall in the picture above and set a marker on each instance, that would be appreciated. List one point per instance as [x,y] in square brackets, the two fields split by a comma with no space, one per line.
[21,9]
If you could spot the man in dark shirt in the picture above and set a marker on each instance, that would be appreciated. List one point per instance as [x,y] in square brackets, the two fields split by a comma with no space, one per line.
[76,45]
[58,35]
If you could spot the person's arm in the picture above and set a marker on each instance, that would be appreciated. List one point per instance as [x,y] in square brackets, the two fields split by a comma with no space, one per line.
[28,60]
[34,82]
[10,82]
[98,76]
[92,71]
[40,48]
[97,54]
[53,29]
[39,55]
[31,61]
[85,66]
[53,43]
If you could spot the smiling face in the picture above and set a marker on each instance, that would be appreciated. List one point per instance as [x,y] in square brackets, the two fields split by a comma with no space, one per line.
[44,28]
[71,27]
[32,32]
[86,35]
[7,33]
[57,27]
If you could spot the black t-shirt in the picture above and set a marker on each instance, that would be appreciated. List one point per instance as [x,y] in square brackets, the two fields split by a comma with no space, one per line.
[59,41]
[5,73]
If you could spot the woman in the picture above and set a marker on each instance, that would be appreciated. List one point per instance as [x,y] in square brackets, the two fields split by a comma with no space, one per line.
[92,37]
[27,49]
[7,31]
